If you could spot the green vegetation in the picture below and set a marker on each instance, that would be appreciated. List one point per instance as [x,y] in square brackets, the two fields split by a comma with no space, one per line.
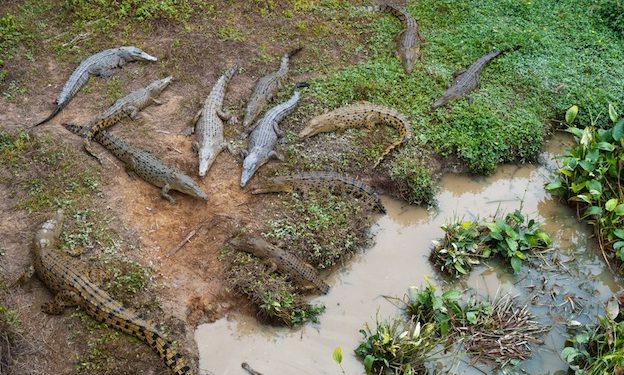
[10,337]
[467,243]
[612,11]
[590,179]
[426,306]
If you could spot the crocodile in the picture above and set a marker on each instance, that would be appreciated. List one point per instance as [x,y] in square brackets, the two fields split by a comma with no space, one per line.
[146,165]
[75,288]
[250,370]
[208,123]
[265,135]
[265,90]
[465,81]
[358,114]
[101,64]
[408,40]
[335,182]
[129,105]
[299,271]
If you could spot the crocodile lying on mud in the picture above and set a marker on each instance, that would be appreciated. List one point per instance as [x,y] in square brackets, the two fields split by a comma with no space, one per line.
[299,271]
[265,135]
[101,64]
[360,113]
[334,182]
[408,40]
[264,91]
[146,165]
[74,288]
[465,81]
[208,123]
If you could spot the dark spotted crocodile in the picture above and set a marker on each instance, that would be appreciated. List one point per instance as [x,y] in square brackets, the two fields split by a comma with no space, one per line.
[465,81]
[75,288]
[101,64]
[335,182]
[265,135]
[299,271]
[360,114]
[264,91]
[408,41]
[146,165]
[208,124]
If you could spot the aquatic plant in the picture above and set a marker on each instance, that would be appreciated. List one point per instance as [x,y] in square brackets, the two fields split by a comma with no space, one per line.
[460,248]
[426,306]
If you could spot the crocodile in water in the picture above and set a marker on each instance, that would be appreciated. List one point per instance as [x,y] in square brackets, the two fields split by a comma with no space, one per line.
[146,165]
[408,40]
[208,124]
[466,80]
[360,114]
[101,64]
[299,271]
[265,135]
[75,288]
[335,182]
[265,90]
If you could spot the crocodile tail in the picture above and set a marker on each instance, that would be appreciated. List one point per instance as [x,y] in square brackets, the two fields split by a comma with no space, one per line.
[173,359]
[56,111]
[405,135]
[231,72]
[76,129]
[294,52]
[300,85]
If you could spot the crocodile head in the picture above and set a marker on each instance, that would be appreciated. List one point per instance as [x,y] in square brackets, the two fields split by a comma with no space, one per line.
[408,58]
[252,162]
[207,156]
[131,53]
[187,185]
[319,124]
[158,86]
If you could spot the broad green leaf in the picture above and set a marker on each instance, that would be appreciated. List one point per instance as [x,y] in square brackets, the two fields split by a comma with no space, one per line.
[594,187]
[337,355]
[568,354]
[467,224]
[516,264]
[577,186]
[613,307]
[618,245]
[589,167]
[612,113]
[592,155]
[460,269]
[618,131]
[544,237]
[368,363]
[605,146]
[619,233]
[593,210]
[611,204]
[576,131]
[451,295]
[581,198]
[619,210]
[571,114]
[471,317]
[582,338]
[587,137]
[520,255]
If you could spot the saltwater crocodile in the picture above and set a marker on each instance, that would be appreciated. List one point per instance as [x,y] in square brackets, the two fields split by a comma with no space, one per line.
[101,64]
[129,105]
[146,165]
[299,271]
[74,288]
[360,114]
[335,182]
[408,40]
[265,135]
[466,80]
[265,90]
[208,124]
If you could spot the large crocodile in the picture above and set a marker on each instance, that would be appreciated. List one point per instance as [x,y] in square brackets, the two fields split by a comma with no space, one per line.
[265,90]
[129,105]
[465,81]
[408,40]
[75,288]
[146,165]
[360,114]
[299,271]
[208,124]
[101,64]
[335,182]
[265,135]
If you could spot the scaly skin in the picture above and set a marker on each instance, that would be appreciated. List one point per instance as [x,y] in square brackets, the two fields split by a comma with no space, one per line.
[299,271]
[466,81]
[409,39]
[146,165]
[100,123]
[209,124]
[360,114]
[101,64]
[73,288]
[264,91]
[335,182]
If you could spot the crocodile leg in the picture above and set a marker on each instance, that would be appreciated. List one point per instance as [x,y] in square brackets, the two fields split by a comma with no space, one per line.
[64,298]
[86,145]
[191,129]
[271,266]
[133,112]
[278,131]
[25,276]
[227,116]
[157,102]
[276,155]
[164,192]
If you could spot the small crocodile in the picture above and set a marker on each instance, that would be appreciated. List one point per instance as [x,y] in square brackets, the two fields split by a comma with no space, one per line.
[358,114]
[408,40]
[465,81]
[75,288]
[129,105]
[335,182]
[208,123]
[265,90]
[146,165]
[101,64]
[265,135]
[299,271]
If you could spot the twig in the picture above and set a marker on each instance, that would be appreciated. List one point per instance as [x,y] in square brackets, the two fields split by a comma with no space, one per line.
[186,239]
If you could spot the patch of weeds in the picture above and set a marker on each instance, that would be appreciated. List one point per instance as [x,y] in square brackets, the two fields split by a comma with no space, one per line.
[285,307]
[13,91]
[591,177]
[412,180]
[128,279]
[428,307]
[114,89]
[10,337]
[612,11]
[396,346]
[230,32]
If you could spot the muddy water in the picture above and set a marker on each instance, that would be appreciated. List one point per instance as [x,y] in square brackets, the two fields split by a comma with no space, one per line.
[400,259]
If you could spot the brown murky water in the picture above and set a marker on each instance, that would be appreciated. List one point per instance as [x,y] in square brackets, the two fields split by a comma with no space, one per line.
[400,259]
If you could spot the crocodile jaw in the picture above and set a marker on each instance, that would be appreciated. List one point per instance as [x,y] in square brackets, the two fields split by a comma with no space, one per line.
[207,156]
[408,58]
[187,185]
[315,126]
[250,165]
